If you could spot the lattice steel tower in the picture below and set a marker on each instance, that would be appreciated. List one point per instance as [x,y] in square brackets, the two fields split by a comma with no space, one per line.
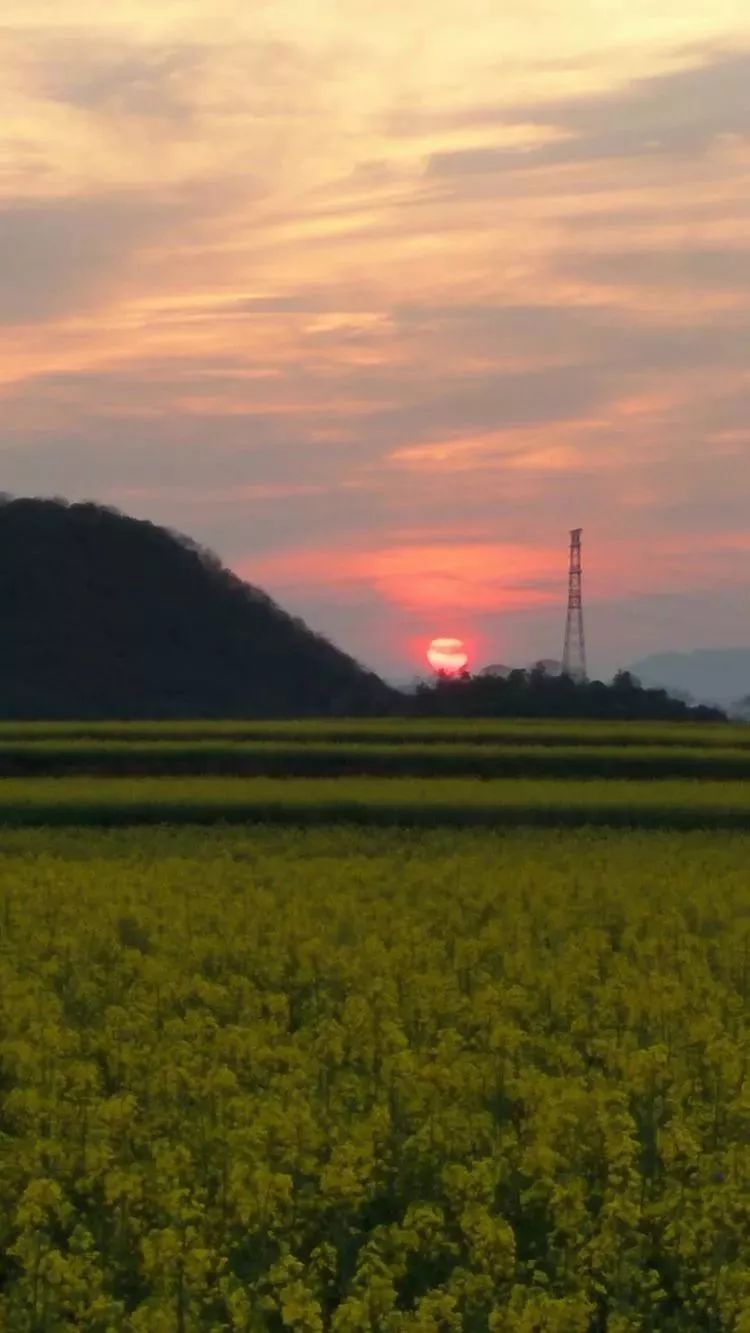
[574,651]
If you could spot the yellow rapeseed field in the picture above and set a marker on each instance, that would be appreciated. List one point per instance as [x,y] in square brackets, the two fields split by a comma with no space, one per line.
[365,1079]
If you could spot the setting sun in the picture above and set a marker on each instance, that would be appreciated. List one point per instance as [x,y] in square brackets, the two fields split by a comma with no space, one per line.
[448,655]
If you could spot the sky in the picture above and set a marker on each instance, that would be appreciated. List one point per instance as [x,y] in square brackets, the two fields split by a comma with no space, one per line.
[379,301]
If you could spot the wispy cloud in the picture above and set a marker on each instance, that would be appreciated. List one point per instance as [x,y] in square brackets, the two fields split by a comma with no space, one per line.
[63,255]
[686,111]
[381,304]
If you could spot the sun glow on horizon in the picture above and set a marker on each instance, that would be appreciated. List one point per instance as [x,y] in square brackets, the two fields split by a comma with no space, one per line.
[447,655]
[390,305]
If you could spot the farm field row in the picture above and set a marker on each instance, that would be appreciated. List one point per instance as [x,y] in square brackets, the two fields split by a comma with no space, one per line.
[363,1079]
[396,731]
[428,801]
[313,758]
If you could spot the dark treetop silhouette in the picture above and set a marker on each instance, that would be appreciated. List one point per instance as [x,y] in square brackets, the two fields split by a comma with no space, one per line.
[536,694]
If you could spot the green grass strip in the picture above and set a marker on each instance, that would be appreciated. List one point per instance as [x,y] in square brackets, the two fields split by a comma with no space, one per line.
[316,759]
[112,801]
[395,731]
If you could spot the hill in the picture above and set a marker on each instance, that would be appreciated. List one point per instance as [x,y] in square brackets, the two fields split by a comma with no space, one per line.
[712,675]
[102,615]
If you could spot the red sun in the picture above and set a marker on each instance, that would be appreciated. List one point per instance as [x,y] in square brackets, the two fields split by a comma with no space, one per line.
[448,655]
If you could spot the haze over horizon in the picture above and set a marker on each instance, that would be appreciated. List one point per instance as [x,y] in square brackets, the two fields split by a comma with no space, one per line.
[380,304]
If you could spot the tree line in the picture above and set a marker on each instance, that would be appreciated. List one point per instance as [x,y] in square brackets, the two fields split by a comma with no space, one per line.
[536,693]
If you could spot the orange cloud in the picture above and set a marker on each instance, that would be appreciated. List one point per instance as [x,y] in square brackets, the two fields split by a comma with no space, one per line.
[357,306]
[445,577]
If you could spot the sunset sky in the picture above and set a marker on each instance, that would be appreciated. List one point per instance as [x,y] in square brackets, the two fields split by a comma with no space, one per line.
[380,300]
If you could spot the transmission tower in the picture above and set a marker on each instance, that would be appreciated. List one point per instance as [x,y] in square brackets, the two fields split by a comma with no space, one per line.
[574,651]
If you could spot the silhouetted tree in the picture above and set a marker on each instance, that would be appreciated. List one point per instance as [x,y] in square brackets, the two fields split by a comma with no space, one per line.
[535,693]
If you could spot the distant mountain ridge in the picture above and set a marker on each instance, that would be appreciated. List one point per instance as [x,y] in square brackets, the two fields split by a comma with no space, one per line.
[107,616]
[709,675]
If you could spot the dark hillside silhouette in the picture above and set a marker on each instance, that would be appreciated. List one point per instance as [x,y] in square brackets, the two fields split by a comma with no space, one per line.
[107,616]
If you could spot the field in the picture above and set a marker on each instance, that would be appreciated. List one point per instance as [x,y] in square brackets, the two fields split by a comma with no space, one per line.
[369,1051]
[395,731]
[311,758]
[431,802]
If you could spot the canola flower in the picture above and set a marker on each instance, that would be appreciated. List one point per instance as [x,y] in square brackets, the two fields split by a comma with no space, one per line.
[362,1079]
